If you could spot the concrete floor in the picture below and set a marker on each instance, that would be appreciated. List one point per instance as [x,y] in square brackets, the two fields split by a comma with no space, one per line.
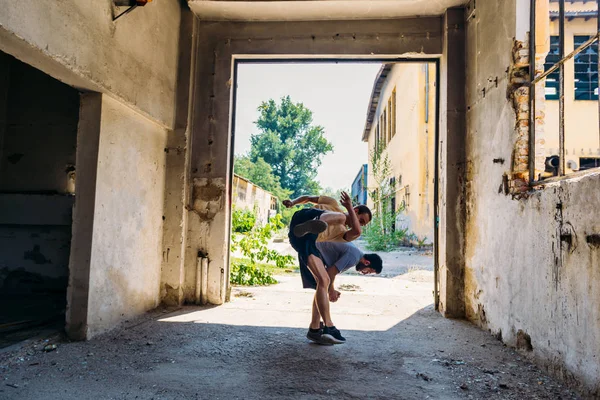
[254,347]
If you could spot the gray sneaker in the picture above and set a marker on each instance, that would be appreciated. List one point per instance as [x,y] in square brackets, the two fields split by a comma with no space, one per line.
[313,226]
[317,336]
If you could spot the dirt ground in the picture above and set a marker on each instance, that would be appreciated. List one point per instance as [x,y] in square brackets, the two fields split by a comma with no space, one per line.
[398,347]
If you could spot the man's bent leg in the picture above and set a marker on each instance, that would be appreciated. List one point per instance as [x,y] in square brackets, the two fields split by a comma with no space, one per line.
[333,218]
[315,322]
[317,268]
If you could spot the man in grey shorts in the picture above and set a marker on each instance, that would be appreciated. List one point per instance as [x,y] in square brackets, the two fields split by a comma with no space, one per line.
[337,257]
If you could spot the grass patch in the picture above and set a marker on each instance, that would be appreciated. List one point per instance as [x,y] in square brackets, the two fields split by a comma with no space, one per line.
[268,267]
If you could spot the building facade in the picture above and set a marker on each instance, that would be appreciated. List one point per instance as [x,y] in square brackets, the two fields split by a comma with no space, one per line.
[359,186]
[401,121]
[248,196]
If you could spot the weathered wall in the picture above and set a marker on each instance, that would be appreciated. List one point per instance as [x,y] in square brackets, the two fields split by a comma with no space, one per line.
[451,169]
[37,150]
[210,143]
[532,271]
[127,232]
[133,58]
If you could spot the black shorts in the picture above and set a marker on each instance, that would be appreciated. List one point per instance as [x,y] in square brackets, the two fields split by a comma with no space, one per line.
[305,245]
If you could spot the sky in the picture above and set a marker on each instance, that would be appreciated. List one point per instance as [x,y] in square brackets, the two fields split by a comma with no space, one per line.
[338,96]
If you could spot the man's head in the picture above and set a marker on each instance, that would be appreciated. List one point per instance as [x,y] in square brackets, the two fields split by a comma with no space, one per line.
[369,264]
[363,213]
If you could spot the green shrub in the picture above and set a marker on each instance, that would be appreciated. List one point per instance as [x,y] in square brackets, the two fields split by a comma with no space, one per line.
[242,220]
[250,275]
[253,246]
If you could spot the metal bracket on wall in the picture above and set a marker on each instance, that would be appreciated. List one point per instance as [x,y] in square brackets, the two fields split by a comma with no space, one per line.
[470,9]
[132,4]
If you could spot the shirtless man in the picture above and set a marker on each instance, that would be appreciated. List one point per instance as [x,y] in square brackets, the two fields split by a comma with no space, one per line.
[324,222]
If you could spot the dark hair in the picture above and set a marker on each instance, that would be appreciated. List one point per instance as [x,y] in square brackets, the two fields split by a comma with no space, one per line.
[362,209]
[375,262]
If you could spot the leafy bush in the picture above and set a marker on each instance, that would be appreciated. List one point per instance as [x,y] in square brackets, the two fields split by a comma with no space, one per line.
[250,275]
[242,220]
[380,238]
[253,246]
[380,234]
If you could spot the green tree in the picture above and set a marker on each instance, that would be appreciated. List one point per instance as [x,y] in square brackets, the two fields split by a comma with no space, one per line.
[261,174]
[290,144]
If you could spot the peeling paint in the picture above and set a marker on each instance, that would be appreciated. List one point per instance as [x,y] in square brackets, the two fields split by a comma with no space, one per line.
[593,241]
[208,197]
[524,341]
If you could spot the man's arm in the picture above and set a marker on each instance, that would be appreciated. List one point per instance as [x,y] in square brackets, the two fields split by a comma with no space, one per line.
[301,200]
[355,230]
[334,295]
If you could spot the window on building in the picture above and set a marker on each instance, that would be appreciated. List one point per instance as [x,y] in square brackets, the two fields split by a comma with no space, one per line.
[586,70]
[552,79]
[377,138]
[393,108]
[389,118]
[589,162]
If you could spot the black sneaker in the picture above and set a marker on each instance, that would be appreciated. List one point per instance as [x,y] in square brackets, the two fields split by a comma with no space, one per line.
[332,335]
[316,335]
[315,226]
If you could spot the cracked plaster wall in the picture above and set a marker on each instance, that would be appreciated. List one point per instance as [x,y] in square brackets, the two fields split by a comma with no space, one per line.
[532,272]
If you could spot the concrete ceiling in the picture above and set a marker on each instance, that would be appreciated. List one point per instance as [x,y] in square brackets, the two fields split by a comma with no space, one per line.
[316,10]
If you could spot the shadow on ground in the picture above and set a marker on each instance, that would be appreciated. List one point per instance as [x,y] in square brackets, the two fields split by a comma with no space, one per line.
[255,348]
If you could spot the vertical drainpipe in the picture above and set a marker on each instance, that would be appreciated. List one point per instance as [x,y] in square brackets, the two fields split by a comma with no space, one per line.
[202,279]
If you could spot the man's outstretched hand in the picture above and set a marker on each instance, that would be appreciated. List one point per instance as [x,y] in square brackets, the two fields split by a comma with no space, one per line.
[288,203]
[346,200]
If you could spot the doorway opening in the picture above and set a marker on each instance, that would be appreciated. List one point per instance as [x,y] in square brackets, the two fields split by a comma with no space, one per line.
[380,118]
[38,135]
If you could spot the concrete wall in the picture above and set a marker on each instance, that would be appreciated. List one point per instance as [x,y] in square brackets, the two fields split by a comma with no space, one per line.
[127,232]
[532,271]
[77,42]
[219,45]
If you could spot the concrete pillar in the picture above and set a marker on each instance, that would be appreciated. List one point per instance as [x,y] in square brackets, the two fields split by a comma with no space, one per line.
[177,170]
[88,139]
[210,165]
[452,166]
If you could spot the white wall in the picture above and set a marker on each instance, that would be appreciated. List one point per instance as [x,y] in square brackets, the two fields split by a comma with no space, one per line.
[519,274]
[127,233]
[77,41]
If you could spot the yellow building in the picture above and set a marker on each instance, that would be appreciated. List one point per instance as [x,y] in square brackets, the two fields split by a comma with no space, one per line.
[248,196]
[582,140]
[401,118]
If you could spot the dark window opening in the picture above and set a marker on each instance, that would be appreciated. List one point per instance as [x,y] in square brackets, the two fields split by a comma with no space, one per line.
[552,87]
[586,70]
[589,162]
